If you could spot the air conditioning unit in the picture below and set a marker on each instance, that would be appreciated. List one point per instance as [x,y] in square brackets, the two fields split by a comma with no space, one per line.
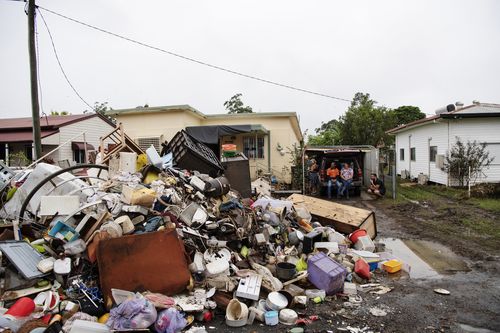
[440,161]
[423,179]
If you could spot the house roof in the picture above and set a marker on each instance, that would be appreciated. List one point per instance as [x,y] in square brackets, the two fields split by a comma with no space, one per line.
[471,111]
[188,108]
[185,107]
[23,136]
[155,109]
[45,122]
[21,129]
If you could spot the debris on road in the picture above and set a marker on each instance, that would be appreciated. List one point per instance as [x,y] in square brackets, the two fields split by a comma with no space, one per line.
[103,249]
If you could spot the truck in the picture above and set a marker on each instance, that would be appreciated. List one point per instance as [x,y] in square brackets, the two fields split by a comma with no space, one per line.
[364,160]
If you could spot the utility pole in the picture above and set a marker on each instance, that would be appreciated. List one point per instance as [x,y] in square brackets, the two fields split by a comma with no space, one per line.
[35,107]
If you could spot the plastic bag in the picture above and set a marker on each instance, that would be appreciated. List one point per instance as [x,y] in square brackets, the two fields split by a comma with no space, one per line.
[301,265]
[68,324]
[170,321]
[132,313]
[74,247]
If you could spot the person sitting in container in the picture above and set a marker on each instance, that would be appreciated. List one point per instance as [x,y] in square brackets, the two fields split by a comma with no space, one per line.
[333,179]
[377,186]
[346,175]
[313,177]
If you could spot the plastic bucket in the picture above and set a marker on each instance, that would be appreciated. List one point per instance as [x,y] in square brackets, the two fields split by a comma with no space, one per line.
[285,270]
[356,234]
[271,318]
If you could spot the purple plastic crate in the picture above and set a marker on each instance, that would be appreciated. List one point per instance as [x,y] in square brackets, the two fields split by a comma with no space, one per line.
[325,273]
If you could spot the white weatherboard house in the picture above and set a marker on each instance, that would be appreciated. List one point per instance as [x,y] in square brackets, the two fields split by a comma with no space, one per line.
[421,146]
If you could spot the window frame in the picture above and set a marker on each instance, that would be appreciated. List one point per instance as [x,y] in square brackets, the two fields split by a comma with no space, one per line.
[413,154]
[401,154]
[254,147]
[80,154]
[433,151]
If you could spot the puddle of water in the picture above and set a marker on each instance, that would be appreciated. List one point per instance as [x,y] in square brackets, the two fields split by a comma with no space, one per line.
[428,260]
[419,268]
[438,256]
[472,329]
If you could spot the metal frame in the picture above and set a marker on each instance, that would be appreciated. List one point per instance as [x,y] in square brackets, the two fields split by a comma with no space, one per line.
[49,179]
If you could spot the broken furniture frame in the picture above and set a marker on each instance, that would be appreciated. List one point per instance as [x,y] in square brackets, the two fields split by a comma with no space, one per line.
[121,142]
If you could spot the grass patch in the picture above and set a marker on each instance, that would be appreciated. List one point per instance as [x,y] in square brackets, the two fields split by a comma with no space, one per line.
[485,227]
[492,205]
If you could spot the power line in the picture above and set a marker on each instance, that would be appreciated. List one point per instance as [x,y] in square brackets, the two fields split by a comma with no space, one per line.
[192,59]
[59,62]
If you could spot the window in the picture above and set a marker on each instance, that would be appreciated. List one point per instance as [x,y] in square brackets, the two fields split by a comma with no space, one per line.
[401,154]
[79,156]
[413,154]
[253,147]
[433,150]
[145,143]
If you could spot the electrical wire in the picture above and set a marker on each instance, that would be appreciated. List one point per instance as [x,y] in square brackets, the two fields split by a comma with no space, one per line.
[59,62]
[192,59]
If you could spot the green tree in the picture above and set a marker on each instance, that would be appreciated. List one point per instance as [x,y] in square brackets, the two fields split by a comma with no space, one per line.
[101,108]
[327,134]
[235,105]
[365,123]
[18,159]
[59,113]
[406,114]
[466,161]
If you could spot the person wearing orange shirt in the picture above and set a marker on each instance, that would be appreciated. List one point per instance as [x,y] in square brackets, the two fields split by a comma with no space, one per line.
[333,174]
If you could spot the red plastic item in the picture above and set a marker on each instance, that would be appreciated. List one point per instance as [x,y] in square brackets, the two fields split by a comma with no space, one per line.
[362,268]
[356,234]
[22,308]
[229,147]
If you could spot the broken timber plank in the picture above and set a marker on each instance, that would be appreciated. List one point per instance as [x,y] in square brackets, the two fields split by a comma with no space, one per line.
[343,218]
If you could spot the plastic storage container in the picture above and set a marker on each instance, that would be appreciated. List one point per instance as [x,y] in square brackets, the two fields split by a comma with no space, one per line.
[356,234]
[191,154]
[271,318]
[325,273]
[393,266]
[364,243]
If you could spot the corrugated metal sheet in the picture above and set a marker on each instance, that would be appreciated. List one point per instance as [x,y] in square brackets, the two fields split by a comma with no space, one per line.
[153,261]
[481,108]
[49,121]
[22,136]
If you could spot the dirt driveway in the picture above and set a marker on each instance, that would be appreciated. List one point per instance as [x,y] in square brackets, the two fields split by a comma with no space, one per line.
[446,253]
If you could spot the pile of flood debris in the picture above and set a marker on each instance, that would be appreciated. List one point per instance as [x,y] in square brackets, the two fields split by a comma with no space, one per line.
[151,243]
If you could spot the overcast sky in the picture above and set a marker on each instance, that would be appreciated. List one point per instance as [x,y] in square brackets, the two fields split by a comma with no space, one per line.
[420,52]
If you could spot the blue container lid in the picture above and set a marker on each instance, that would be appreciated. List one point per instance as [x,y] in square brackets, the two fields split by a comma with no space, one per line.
[271,314]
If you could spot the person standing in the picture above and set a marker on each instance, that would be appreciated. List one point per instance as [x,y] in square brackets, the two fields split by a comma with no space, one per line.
[313,177]
[333,179]
[346,175]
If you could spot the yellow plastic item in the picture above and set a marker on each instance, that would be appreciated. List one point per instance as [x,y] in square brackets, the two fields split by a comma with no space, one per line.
[393,266]
[301,265]
[150,177]
[103,319]
[244,251]
[142,160]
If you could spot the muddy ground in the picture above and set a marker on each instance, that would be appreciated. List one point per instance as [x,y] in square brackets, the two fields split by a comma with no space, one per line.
[464,260]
